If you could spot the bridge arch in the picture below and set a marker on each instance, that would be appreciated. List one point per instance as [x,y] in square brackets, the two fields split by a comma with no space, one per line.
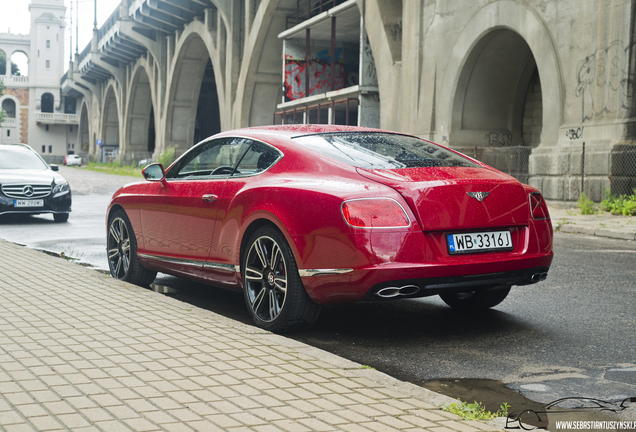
[85,145]
[195,92]
[520,22]
[139,129]
[259,85]
[110,127]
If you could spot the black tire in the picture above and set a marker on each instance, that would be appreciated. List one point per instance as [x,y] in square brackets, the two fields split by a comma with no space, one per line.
[476,300]
[60,217]
[274,293]
[121,249]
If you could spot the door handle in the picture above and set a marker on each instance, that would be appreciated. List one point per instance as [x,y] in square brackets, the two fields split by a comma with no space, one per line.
[209,198]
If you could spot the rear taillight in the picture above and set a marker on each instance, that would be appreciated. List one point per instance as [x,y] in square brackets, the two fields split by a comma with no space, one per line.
[374,213]
[538,207]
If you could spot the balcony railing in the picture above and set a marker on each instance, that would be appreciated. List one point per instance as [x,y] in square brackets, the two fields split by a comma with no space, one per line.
[14,79]
[8,122]
[56,118]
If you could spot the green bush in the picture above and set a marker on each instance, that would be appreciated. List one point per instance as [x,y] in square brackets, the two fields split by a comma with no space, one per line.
[586,205]
[167,157]
[620,205]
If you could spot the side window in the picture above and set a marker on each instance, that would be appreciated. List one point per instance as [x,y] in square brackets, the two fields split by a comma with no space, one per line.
[213,159]
[258,158]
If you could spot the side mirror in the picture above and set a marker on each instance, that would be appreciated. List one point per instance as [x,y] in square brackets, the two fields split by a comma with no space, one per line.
[54,167]
[154,172]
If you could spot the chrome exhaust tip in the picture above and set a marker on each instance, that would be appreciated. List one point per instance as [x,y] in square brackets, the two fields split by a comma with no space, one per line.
[391,292]
[408,290]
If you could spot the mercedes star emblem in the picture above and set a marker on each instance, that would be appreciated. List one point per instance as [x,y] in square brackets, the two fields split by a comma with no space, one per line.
[479,196]
[28,190]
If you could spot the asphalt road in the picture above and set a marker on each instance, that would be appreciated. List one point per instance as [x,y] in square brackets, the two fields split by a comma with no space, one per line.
[572,335]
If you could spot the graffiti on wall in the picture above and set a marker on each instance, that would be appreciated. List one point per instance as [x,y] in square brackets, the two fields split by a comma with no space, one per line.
[369,73]
[499,138]
[574,133]
[600,71]
[319,78]
[396,31]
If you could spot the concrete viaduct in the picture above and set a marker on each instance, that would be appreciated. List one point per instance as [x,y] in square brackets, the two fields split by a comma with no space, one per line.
[155,64]
[542,89]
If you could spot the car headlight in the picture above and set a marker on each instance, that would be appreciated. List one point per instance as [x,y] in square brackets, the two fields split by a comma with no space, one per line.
[61,188]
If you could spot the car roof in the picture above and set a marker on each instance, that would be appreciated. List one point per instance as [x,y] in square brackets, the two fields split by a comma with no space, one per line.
[308,129]
[26,146]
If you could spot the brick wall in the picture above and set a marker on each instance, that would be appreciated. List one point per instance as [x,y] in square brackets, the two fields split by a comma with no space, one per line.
[24,125]
[22,95]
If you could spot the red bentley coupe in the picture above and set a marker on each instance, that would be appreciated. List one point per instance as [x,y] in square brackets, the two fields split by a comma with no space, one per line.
[305,215]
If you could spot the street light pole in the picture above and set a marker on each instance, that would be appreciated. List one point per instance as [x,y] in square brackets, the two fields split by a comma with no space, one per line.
[70,54]
[76,26]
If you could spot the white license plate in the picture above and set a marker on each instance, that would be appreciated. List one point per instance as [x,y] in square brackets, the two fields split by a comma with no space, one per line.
[479,242]
[28,203]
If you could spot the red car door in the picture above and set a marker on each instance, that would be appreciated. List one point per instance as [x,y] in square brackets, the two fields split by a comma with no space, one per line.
[178,219]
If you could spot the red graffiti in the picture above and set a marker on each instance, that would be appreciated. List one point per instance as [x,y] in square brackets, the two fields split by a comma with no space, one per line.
[319,78]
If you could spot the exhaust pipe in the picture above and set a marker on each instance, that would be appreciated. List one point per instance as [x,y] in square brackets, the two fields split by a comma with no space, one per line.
[538,277]
[391,292]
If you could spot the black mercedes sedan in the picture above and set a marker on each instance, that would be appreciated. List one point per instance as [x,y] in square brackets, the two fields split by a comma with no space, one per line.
[28,185]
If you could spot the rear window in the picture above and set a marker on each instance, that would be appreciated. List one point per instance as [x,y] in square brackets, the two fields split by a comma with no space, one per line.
[382,150]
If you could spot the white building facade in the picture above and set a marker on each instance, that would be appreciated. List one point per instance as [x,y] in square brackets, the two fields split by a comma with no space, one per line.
[37,112]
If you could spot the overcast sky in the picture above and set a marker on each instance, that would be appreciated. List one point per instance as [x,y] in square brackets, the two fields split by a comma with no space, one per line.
[15,18]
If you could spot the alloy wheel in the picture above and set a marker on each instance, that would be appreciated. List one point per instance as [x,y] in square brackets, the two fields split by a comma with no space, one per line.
[266,278]
[118,248]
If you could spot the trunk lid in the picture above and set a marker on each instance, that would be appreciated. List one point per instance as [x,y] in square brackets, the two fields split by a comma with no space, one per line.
[439,196]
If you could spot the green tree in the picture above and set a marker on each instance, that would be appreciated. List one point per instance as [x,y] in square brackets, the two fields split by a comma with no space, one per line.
[15,70]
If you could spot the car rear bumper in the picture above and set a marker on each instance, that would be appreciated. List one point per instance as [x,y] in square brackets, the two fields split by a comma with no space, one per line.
[412,280]
[413,288]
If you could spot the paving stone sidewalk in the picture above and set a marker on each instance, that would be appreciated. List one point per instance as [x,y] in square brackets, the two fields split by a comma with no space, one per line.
[80,351]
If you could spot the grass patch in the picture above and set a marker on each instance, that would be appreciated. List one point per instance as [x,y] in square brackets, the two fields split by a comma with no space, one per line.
[475,411]
[563,222]
[115,168]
